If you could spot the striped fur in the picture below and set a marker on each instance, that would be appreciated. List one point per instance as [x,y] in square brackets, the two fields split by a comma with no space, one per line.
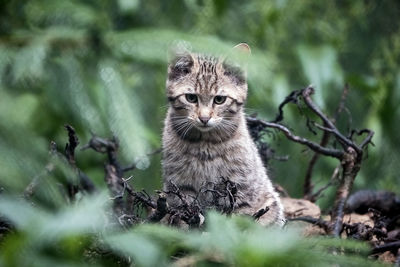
[194,155]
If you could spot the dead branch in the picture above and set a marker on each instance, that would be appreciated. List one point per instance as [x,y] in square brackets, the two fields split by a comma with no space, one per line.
[266,152]
[69,157]
[316,221]
[73,142]
[312,145]
[111,146]
[344,141]
[161,210]
[70,147]
[308,186]
[291,98]
[186,211]
[314,197]
[350,155]
[31,188]
[332,180]
[116,187]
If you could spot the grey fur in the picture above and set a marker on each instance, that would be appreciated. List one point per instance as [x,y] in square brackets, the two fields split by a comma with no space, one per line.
[194,156]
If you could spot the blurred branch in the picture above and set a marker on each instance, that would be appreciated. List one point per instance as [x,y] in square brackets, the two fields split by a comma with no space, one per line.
[116,184]
[69,157]
[116,187]
[110,146]
[393,246]
[30,189]
[70,147]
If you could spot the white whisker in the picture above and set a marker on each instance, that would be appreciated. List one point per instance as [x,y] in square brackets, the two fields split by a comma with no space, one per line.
[190,126]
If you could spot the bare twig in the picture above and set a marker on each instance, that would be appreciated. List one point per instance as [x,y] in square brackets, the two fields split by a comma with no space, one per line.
[161,210]
[174,190]
[101,145]
[314,197]
[351,162]
[308,186]
[73,142]
[316,221]
[116,187]
[368,139]
[306,93]
[70,147]
[312,145]
[143,198]
[291,98]
[31,188]
[350,155]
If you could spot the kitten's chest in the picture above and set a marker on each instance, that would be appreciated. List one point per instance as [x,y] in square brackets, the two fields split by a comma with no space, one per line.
[198,164]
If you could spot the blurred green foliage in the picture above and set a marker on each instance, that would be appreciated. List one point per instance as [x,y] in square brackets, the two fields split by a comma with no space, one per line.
[101,67]
[81,235]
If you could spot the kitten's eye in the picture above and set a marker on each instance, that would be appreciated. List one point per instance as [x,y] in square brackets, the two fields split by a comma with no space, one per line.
[219,99]
[191,98]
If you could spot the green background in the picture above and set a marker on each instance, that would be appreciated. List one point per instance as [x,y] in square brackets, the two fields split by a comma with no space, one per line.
[100,65]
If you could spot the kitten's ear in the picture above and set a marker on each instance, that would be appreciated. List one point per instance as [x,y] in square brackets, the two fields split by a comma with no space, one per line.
[235,63]
[180,61]
[242,48]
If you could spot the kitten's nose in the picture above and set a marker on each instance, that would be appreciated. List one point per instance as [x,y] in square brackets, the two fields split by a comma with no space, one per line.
[204,120]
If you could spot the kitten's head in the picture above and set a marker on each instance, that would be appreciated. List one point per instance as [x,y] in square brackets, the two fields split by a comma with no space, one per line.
[206,94]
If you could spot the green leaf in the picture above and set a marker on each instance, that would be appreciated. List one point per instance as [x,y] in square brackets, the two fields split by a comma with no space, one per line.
[144,252]
[22,214]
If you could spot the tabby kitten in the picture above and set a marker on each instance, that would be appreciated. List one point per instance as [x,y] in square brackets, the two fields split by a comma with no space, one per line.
[205,137]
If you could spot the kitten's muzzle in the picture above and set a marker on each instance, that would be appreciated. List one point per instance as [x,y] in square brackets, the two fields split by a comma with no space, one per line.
[204,120]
